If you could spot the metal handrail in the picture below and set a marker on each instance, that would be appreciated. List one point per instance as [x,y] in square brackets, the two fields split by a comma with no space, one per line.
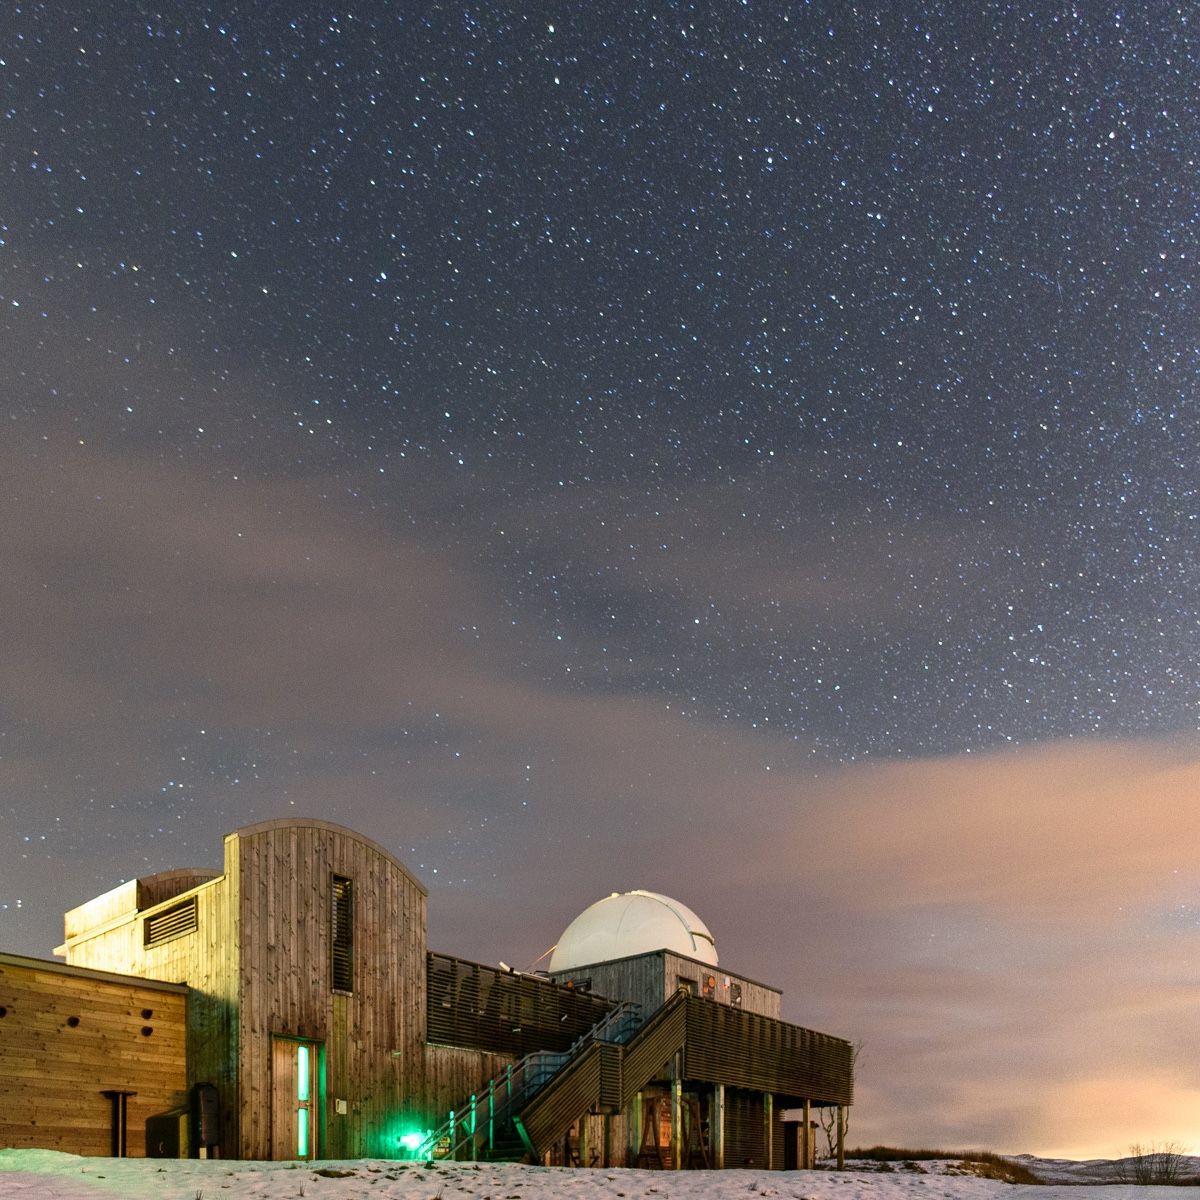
[526,1076]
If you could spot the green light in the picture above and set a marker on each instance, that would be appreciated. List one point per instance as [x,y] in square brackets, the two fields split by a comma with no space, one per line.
[412,1141]
[302,1072]
[302,1133]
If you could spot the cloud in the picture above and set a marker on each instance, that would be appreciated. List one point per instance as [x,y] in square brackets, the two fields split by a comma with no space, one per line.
[818,554]
[1010,935]
[986,926]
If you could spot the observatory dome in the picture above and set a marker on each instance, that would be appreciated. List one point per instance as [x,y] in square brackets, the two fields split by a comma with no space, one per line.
[628,923]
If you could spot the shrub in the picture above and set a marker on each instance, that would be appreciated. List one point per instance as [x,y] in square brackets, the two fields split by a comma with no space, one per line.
[984,1163]
[1152,1163]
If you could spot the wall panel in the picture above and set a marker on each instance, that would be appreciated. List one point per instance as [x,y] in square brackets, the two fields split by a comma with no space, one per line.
[67,1036]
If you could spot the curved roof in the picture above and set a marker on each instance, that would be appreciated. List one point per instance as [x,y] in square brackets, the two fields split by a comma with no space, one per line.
[329,827]
[628,923]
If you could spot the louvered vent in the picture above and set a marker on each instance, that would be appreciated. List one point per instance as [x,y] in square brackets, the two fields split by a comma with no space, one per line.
[171,923]
[341,934]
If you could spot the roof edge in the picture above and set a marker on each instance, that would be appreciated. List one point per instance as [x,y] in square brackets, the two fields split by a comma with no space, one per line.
[328,827]
[61,968]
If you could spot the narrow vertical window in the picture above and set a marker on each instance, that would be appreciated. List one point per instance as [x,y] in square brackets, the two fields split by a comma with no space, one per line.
[341,934]
[303,1100]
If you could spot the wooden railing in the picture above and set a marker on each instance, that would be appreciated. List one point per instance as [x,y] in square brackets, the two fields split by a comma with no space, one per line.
[740,1049]
[504,1012]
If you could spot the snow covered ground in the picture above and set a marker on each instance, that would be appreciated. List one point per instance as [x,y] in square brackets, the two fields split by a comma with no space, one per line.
[48,1175]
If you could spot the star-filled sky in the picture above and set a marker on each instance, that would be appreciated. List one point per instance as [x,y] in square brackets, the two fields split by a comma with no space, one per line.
[746,451]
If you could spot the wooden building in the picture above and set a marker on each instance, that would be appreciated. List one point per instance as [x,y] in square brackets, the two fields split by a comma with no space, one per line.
[306,963]
[328,1028]
[87,1056]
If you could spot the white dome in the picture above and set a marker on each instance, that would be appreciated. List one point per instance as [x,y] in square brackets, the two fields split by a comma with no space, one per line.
[628,923]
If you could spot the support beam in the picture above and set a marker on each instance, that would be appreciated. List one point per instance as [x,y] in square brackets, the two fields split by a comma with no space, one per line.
[769,1127]
[676,1121]
[841,1137]
[806,1146]
[716,1126]
[120,1120]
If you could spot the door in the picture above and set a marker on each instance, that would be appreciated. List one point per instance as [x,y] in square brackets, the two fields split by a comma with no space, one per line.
[294,1102]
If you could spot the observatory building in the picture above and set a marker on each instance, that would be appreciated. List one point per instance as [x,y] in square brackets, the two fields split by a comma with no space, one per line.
[288,1007]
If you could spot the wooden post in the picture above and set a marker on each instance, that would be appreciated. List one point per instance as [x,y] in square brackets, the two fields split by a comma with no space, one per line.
[676,1121]
[841,1137]
[634,1131]
[716,1127]
[120,1120]
[806,1162]
[491,1117]
[769,1127]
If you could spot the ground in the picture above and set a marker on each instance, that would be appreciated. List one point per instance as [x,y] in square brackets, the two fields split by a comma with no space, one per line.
[48,1175]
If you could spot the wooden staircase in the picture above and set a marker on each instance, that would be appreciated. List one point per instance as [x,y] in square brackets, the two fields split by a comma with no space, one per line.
[490,1126]
[601,1076]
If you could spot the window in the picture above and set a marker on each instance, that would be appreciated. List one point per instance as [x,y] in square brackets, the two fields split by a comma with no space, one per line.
[171,923]
[303,1099]
[341,934]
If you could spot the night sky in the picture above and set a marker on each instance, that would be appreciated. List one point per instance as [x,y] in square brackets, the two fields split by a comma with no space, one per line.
[744,451]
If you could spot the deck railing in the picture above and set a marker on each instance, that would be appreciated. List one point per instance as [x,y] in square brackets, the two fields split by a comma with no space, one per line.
[500,1097]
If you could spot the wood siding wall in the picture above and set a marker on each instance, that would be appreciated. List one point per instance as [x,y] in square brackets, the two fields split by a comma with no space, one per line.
[206,960]
[373,1038]
[452,1075]
[755,997]
[745,1129]
[606,1139]
[66,1036]
[650,979]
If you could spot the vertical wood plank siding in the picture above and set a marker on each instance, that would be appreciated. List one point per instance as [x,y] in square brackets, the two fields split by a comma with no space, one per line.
[373,1036]
[754,997]
[66,1036]
[650,979]
[639,979]
[452,1075]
